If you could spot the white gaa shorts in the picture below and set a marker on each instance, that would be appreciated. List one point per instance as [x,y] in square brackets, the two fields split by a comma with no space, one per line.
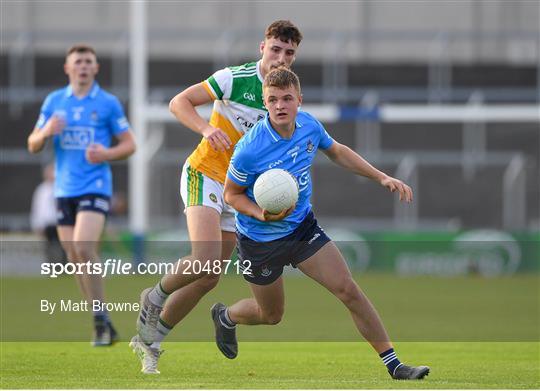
[198,189]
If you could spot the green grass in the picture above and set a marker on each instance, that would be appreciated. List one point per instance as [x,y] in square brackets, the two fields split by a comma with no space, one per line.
[285,365]
[414,309]
[473,332]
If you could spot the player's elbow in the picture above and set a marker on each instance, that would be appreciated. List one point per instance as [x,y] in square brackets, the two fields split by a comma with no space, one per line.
[231,198]
[126,146]
[32,147]
[228,196]
[174,104]
[131,147]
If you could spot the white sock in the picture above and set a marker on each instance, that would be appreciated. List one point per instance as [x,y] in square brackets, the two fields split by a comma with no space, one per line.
[163,331]
[157,295]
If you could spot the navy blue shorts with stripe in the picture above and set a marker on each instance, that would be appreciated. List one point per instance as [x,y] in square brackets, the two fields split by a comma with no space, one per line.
[269,258]
[68,207]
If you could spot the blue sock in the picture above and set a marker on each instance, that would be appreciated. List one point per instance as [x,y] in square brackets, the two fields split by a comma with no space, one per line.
[390,359]
[225,320]
[101,317]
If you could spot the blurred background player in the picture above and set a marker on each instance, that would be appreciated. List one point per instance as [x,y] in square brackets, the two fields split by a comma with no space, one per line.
[237,95]
[43,216]
[293,236]
[82,119]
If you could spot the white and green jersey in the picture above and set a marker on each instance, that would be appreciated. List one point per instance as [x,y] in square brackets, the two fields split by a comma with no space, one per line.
[238,106]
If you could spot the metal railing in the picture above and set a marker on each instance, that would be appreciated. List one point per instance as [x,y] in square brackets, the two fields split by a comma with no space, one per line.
[335,86]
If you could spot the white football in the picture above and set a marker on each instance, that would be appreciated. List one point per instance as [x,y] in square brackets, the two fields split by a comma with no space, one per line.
[276,190]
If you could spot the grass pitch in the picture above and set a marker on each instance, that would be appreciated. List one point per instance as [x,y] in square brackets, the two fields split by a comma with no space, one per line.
[474,333]
[284,365]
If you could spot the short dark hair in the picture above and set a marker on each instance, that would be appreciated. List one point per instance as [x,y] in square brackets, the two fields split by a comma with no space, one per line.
[282,78]
[81,48]
[285,31]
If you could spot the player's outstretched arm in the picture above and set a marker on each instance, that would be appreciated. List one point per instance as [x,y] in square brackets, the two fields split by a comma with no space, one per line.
[97,153]
[38,137]
[182,106]
[235,196]
[345,157]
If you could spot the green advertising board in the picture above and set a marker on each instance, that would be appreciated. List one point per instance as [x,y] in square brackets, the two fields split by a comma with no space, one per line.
[483,252]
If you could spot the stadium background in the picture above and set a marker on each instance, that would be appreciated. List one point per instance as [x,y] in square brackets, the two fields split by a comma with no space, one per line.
[395,80]
[370,53]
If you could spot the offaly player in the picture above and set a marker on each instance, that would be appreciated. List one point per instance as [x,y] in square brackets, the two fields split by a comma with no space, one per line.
[82,119]
[238,105]
[293,237]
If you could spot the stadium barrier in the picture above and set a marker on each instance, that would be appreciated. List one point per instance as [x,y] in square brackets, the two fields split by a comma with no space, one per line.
[369,114]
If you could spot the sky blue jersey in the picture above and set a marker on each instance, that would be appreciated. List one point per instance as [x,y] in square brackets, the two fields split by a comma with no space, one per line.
[262,149]
[93,119]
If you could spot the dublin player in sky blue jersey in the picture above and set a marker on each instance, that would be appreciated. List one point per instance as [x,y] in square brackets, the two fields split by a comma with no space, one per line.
[289,139]
[82,119]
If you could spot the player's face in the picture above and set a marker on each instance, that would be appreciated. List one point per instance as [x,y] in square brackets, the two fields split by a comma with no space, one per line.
[81,68]
[282,104]
[276,53]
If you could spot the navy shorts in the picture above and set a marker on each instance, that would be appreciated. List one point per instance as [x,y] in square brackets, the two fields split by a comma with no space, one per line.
[269,258]
[68,207]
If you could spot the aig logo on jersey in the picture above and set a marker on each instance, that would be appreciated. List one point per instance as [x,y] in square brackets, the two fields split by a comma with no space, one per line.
[303,180]
[76,137]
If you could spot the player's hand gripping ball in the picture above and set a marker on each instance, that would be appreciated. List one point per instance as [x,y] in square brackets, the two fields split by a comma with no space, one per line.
[276,190]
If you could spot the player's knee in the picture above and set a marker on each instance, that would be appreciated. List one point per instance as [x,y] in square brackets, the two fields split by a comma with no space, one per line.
[84,252]
[273,317]
[71,254]
[207,254]
[68,249]
[208,282]
[348,292]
